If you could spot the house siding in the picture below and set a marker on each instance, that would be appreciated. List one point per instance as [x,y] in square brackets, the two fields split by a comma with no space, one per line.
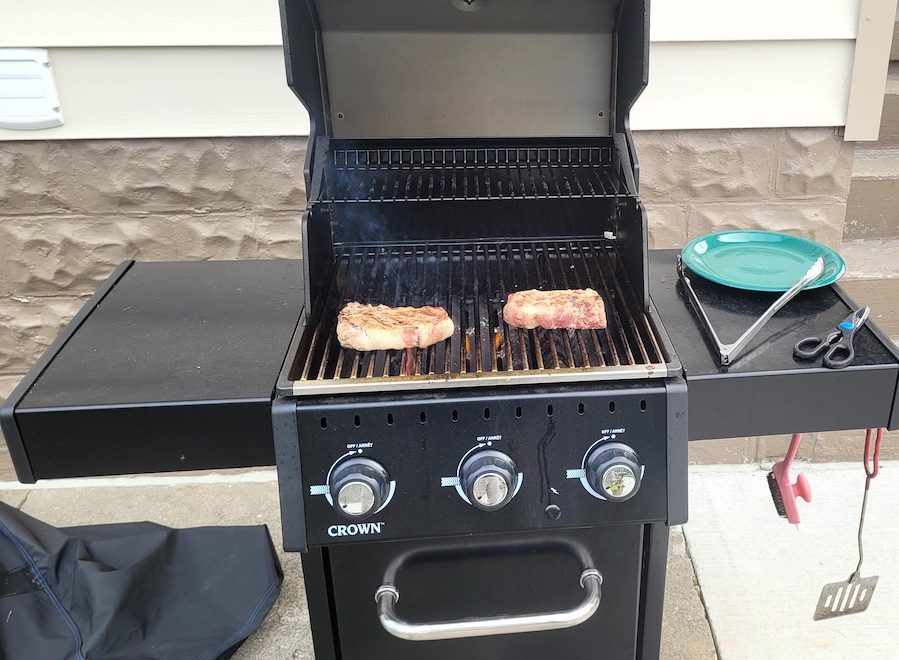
[164,68]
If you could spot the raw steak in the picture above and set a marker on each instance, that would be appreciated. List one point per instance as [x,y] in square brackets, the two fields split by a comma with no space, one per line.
[579,309]
[376,328]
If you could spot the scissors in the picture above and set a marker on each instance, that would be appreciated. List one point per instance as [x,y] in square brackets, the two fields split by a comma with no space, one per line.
[837,346]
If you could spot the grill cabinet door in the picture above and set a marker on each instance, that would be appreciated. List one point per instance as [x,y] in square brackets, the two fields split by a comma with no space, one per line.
[470,578]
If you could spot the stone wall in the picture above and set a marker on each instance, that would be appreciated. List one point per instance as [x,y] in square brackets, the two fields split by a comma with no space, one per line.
[71,211]
[793,180]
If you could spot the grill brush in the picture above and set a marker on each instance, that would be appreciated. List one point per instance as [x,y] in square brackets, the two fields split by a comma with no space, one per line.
[783,491]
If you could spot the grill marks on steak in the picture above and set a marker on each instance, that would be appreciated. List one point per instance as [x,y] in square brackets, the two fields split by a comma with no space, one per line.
[379,327]
[579,309]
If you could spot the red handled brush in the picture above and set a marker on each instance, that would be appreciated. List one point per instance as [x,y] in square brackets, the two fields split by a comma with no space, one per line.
[783,491]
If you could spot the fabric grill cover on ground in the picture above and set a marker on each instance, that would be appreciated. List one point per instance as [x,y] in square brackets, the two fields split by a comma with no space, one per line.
[131,590]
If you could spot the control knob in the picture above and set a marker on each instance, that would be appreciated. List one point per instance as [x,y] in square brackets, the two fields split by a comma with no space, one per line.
[613,470]
[359,486]
[488,478]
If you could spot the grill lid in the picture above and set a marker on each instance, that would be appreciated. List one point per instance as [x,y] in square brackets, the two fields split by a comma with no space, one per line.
[370,69]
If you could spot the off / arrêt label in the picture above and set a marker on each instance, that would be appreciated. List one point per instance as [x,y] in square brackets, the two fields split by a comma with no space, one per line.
[489,438]
[360,445]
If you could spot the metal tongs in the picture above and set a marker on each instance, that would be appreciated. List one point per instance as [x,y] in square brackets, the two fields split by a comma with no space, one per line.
[729,352]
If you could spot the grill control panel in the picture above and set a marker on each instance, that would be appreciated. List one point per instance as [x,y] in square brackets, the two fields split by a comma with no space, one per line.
[444,465]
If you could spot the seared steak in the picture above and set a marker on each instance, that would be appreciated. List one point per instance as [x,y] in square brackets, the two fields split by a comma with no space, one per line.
[579,309]
[376,328]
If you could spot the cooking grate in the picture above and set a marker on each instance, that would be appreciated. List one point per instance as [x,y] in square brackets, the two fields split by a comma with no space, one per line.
[471,281]
[398,175]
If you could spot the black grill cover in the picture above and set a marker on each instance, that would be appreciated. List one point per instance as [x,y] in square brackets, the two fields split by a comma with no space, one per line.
[131,590]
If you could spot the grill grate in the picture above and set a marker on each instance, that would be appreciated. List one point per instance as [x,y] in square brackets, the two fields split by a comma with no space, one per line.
[471,281]
[398,175]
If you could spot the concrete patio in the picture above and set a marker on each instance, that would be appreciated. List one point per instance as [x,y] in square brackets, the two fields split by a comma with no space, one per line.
[742,583]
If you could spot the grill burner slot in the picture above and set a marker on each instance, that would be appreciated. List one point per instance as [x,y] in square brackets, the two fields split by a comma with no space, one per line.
[423,175]
[471,281]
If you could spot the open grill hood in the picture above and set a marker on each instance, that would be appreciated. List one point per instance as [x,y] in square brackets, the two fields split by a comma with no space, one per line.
[395,69]
[518,108]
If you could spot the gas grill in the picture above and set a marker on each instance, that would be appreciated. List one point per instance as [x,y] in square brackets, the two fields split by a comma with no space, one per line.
[499,454]
[516,487]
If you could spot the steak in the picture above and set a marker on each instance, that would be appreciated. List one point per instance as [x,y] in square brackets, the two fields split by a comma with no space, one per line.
[379,327]
[579,309]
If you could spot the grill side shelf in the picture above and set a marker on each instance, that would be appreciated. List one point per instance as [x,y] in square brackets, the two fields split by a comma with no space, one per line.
[767,391]
[17,450]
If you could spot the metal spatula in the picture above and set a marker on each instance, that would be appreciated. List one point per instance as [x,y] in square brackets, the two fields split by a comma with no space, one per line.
[853,595]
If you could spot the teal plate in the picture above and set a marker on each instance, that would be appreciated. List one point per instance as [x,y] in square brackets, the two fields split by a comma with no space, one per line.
[759,260]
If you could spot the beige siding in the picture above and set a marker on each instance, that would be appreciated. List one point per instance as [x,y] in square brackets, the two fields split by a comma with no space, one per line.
[171,92]
[87,23]
[172,68]
[746,84]
[255,22]
[761,20]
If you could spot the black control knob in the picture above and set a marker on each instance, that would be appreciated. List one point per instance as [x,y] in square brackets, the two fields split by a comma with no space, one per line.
[359,486]
[613,470]
[488,478]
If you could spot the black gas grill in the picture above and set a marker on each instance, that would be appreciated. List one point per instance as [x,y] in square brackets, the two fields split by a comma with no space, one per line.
[516,487]
[527,451]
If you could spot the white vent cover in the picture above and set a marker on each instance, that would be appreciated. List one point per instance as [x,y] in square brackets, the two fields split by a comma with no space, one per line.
[28,97]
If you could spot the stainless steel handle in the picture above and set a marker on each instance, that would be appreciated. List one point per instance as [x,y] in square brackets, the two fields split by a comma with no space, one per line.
[729,352]
[387,596]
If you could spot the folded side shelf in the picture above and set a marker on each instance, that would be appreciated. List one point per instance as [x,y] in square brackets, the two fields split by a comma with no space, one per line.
[170,366]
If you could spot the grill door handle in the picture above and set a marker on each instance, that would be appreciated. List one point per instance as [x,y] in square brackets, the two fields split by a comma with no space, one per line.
[387,596]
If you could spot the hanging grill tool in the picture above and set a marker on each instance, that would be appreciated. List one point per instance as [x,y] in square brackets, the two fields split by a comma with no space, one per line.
[729,352]
[783,491]
[854,595]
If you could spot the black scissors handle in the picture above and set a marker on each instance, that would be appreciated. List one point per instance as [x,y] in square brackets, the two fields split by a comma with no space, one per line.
[837,346]
[812,347]
[840,354]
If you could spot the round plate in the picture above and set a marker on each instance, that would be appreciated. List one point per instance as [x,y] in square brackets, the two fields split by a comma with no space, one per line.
[759,260]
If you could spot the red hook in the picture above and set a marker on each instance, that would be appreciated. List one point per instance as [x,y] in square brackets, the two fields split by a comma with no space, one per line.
[872,470]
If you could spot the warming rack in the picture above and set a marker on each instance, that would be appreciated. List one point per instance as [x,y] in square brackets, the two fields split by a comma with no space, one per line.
[472,173]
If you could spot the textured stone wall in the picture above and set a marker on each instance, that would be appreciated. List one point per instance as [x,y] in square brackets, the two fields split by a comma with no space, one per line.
[71,211]
[793,180]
